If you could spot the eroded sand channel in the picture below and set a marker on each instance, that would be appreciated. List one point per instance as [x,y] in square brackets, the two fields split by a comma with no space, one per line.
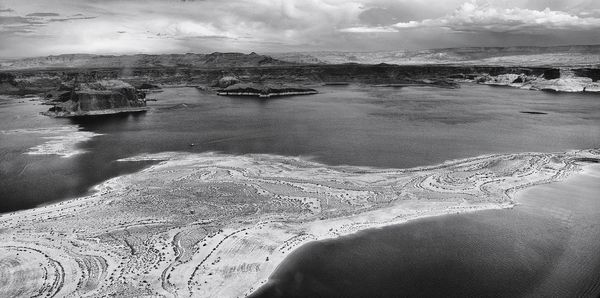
[546,246]
[218,225]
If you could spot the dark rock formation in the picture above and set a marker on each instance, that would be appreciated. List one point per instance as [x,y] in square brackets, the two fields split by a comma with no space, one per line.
[518,80]
[44,80]
[533,113]
[98,98]
[552,74]
[592,73]
[147,86]
[8,84]
[264,91]
[136,61]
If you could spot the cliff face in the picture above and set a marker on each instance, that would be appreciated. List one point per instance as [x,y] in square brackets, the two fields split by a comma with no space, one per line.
[135,61]
[578,55]
[357,73]
[102,97]
[264,91]
[35,81]
[559,80]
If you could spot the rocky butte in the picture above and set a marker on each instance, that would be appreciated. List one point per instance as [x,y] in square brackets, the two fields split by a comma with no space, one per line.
[98,98]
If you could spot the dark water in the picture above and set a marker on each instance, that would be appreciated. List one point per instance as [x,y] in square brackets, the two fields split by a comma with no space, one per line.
[547,247]
[381,127]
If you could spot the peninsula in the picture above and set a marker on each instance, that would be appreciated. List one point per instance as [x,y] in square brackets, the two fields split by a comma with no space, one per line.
[149,233]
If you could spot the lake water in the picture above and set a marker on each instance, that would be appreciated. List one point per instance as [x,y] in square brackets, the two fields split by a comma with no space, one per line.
[368,126]
[493,253]
[545,247]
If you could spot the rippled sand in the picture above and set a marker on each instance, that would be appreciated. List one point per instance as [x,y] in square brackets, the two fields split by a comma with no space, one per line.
[218,225]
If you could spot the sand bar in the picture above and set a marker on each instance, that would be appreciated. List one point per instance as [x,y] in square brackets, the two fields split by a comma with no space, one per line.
[216,225]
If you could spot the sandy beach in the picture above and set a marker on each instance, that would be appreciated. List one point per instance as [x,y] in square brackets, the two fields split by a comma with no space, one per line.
[217,225]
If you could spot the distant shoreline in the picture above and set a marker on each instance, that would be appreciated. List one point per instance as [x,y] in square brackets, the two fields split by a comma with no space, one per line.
[95,112]
[265,95]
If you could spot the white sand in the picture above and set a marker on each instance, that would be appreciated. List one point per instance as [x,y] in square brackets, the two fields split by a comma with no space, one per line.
[203,225]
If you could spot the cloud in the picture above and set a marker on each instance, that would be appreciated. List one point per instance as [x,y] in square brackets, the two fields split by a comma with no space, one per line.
[31,23]
[42,14]
[365,29]
[475,17]
[161,26]
[65,19]
[11,20]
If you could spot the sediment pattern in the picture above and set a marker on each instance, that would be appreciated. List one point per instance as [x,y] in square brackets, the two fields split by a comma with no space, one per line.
[60,140]
[213,225]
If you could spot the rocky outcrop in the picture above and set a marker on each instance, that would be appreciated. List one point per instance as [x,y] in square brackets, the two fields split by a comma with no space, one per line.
[44,80]
[97,98]
[135,61]
[147,86]
[11,83]
[264,91]
[8,85]
[226,81]
[555,80]
[554,56]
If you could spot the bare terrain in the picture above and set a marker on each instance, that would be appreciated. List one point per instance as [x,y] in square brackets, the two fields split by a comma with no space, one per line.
[217,225]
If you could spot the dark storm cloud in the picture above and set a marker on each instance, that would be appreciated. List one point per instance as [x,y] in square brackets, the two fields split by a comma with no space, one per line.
[70,19]
[31,22]
[42,14]
[9,20]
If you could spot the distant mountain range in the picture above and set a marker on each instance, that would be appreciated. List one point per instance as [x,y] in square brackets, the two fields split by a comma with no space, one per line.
[214,60]
[580,55]
[556,56]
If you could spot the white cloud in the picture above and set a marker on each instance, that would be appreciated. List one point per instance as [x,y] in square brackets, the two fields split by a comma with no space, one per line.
[136,23]
[379,29]
[476,17]
[159,26]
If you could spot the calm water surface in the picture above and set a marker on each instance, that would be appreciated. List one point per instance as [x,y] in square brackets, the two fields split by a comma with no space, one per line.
[381,127]
[546,247]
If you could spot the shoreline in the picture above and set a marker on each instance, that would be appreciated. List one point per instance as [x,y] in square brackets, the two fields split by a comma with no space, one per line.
[515,194]
[147,233]
[58,140]
[265,95]
[95,112]
[431,213]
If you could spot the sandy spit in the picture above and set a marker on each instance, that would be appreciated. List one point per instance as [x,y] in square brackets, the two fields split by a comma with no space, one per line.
[216,225]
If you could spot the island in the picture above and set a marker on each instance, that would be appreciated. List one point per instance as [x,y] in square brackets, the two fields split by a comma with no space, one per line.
[264,91]
[102,97]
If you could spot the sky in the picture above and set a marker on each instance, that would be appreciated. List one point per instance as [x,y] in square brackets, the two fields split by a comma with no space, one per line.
[50,27]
